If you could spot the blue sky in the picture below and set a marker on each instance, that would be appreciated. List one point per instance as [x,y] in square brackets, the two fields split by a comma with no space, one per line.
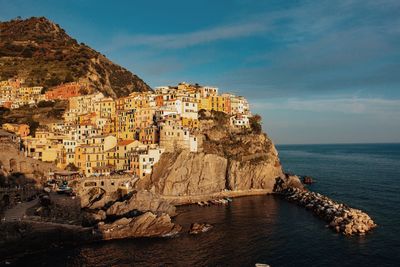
[317,71]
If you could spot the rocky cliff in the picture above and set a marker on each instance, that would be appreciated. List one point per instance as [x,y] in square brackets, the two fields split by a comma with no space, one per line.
[230,159]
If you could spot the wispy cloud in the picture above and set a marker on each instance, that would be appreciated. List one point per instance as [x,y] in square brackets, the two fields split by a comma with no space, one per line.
[367,106]
[326,47]
[181,40]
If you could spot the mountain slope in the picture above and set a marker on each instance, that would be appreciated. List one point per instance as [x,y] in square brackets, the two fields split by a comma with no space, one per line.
[42,53]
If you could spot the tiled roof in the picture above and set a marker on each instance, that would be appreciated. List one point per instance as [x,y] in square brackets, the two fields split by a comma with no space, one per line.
[125,142]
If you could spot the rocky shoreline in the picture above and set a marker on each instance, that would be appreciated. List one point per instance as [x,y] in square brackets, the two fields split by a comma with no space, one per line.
[341,218]
[153,217]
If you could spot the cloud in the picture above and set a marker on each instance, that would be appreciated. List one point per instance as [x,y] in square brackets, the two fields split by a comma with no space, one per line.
[364,106]
[324,48]
[182,40]
[306,48]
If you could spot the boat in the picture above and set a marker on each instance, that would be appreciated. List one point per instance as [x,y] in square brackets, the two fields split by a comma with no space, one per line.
[64,189]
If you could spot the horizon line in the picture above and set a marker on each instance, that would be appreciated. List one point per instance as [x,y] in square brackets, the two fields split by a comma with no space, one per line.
[345,143]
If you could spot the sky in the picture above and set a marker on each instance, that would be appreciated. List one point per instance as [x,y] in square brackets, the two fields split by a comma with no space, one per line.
[317,71]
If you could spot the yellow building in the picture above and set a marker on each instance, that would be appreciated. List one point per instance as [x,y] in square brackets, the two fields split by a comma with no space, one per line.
[190,123]
[219,103]
[125,127]
[119,155]
[89,158]
[144,117]
[45,149]
[106,108]
[21,130]
[204,103]
[136,101]
[27,95]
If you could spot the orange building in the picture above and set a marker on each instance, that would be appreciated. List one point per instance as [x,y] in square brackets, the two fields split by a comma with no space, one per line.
[120,103]
[159,100]
[88,118]
[149,135]
[7,104]
[64,91]
[228,108]
[21,130]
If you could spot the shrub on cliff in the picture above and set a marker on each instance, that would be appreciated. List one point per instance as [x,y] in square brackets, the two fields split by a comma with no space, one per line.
[220,117]
[45,104]
[33,125]
[255,123]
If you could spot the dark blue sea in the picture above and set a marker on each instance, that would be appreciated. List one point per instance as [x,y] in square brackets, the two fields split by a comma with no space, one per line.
[267,229]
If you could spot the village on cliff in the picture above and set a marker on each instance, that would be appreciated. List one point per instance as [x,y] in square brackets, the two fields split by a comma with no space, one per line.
[101,136]
[105,151]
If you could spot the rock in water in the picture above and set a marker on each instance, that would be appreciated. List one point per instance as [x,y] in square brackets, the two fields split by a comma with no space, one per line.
[145,225]
[340,217]
[197,228]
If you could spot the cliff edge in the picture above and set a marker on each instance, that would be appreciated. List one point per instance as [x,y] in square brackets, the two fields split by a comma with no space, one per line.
[229,159]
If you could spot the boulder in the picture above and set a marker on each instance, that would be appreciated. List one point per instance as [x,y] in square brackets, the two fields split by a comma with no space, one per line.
[145,225]
[91,196]
[197,228]
[142,201]
[90,218]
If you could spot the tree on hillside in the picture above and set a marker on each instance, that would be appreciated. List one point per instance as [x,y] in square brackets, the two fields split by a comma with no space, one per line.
[71,167]
[69,78]
[255,123]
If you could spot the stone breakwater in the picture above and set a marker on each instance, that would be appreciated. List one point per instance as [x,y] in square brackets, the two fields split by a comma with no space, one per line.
[341,218]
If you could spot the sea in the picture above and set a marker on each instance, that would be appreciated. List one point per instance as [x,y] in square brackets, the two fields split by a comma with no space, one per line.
[268,229]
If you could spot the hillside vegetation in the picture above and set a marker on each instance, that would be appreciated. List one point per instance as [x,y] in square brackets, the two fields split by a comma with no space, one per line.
[42,53]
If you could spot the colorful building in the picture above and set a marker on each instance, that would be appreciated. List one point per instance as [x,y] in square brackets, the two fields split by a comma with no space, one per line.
[64,91]
[21,130]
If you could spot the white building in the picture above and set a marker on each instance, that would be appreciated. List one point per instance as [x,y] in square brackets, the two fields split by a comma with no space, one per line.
[69,150]
[239,105]
[174,136]
[207,91]
[84,131]
[240,121]
[174,104]
[148,159]
[189,108]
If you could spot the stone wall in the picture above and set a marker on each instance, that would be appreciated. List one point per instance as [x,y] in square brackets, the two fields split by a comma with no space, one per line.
[14,160]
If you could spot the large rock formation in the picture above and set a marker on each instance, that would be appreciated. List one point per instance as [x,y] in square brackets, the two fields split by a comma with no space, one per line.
[185,173]
[141,201]
[230,159]
[145,225]
[249,175]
